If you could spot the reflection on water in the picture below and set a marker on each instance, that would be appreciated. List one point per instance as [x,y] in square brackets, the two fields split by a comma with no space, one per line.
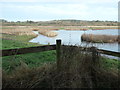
[73,37]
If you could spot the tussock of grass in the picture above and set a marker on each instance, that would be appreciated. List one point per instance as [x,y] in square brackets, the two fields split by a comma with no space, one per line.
[77,69]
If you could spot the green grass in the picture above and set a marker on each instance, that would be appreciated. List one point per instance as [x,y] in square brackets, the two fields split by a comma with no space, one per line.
[9,63]
[12,44]
[32,60]
[16,41]
[23,38]
[110,64]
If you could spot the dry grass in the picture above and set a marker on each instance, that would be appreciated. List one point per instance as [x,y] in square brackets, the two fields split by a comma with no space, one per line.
[18,31]
[48,33]
[118,39]
[46,30]
[100,38]
[77,70]
[27,30]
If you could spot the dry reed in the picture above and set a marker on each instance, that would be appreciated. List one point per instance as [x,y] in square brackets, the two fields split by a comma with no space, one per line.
[100,38]
[48,33]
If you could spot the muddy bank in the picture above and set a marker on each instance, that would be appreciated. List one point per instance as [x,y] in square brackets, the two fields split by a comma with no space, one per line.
[100,38]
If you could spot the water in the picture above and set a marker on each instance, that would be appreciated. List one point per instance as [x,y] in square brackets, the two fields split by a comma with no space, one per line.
[73,37]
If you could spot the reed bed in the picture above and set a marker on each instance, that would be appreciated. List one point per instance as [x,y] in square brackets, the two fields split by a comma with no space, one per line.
[18,32]
[48,33]
[27,30]
[61,27]
[47,30]
[100,38]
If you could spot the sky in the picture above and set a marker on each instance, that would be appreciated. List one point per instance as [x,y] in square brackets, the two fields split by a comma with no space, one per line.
[45,10]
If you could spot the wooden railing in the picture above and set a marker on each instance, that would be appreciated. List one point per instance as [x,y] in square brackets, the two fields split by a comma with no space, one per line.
[10,52]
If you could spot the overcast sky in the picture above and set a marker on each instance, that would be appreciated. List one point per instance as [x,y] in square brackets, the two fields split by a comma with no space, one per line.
[39,10]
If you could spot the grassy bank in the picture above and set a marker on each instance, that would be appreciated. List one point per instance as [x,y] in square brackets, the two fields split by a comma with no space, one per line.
[11,44]
[32,59]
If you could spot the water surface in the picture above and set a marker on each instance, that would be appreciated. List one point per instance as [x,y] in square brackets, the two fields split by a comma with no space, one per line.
[73,37]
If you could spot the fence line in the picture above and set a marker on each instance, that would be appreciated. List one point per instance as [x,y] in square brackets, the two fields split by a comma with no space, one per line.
[112,53]
[10,52]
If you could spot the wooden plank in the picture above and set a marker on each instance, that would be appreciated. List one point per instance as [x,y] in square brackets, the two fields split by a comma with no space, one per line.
[10,52]
[112,53]
[18,51]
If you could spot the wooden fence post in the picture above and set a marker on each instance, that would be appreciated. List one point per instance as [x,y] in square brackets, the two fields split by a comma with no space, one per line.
[94,54]
[93,65]
[58,51]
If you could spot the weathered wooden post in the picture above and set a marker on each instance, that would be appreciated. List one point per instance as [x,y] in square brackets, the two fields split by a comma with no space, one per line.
[94,54]
[58,51]
[94,65]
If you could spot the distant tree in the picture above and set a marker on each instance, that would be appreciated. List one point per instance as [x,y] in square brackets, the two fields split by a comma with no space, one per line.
[97,21]
[18,21]
[30,21]
[2,20]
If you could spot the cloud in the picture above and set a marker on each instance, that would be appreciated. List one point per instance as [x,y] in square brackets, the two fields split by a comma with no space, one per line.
[90,1]
[19,0]
[89,10]
[61,9]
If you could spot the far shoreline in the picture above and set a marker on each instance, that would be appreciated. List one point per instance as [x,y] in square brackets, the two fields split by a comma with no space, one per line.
[59,27]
